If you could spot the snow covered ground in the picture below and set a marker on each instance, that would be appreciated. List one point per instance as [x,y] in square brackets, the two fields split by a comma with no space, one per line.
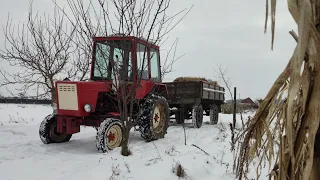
[24,157]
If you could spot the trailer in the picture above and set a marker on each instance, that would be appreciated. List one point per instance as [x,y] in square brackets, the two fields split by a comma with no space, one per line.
[193,99]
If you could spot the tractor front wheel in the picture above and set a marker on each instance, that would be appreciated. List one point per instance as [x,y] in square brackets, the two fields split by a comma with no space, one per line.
[154,118]
[48,131]
[109,135]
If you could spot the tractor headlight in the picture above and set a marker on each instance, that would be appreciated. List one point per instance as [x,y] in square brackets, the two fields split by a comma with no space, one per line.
[87,108]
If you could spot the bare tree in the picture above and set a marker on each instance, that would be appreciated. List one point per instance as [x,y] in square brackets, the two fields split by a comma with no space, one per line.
[145,19]
[78,64]
[168,62]
[285,128]
[221,74]
[40,48]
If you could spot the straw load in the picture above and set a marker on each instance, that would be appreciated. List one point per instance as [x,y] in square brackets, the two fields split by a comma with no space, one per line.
[191,79]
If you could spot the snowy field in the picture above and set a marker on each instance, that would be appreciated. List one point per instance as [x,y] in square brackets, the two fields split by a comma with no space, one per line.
[24,157]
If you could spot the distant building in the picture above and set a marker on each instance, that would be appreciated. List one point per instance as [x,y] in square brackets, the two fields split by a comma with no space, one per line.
[249,101]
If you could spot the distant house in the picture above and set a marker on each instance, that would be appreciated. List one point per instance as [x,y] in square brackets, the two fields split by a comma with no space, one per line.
[238,101]
[244,101]
[249,101]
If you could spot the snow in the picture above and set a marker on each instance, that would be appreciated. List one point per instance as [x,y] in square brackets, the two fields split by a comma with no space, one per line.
[24,157]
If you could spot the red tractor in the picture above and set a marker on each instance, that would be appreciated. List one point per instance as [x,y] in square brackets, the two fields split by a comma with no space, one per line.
[94,102]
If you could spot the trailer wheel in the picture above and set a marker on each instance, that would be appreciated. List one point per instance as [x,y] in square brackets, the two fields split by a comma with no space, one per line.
[109,135]
[180,116]
[197,115]
[214,114]
[154,118]
[48,131]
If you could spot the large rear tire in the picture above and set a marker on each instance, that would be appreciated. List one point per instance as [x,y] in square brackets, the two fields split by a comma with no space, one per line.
[48,131]
[109,135]
[154,118]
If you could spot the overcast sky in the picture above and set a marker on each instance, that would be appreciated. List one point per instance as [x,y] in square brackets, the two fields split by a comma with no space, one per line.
[229,32]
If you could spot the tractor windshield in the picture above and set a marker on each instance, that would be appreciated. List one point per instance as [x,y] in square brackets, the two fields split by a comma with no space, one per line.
[112,59]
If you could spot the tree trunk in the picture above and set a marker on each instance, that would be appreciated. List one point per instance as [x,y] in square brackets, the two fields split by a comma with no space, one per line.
[54,100]
[124,147]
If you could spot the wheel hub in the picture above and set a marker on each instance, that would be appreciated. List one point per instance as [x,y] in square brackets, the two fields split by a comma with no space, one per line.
[113,137]
[156,117]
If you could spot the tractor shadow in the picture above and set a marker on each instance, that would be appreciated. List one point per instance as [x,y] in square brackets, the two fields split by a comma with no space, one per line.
[187,124]
[136,139]
[74,146]
[85,143]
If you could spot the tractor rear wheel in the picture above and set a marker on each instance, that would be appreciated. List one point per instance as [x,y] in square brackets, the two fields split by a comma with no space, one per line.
[154,118]
[109,135]
[214,114]
[197,115]
[48,131]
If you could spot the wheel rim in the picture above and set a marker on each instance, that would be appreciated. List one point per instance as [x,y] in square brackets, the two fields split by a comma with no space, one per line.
[56,136]
[157,118]
[114,137]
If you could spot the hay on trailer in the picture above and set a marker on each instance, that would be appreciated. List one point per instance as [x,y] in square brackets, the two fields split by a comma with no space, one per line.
[191,79]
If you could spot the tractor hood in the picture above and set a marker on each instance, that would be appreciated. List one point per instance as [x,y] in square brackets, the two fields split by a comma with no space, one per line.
[73,96]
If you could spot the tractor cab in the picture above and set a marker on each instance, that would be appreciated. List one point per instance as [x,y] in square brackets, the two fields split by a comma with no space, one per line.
[125,59]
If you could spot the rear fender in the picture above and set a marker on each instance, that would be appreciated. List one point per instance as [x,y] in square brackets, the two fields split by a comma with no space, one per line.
[159,89]
[113,114]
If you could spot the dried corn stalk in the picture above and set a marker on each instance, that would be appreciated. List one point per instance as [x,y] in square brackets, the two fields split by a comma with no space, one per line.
[285,132]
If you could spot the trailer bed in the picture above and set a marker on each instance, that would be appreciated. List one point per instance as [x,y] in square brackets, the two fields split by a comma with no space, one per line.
[193,92]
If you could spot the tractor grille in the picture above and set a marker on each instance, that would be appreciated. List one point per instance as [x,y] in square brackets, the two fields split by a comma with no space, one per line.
[67,87]
[67,96]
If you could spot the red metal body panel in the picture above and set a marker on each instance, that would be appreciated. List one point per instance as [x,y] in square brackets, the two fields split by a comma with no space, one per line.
[144,88]
[69,125]
[87,94]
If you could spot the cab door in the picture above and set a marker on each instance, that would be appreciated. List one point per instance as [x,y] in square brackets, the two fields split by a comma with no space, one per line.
[142,69]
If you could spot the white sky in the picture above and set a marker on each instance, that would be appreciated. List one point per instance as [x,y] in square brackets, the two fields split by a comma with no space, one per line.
[229,32]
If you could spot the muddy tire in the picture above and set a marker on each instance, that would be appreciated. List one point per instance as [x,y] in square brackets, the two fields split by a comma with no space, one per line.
[154,118]
[180,116]
[109,135]
[48,131]
[214,114]
[197,115]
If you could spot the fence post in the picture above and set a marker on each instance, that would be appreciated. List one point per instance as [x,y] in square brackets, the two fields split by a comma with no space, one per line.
[234,107]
